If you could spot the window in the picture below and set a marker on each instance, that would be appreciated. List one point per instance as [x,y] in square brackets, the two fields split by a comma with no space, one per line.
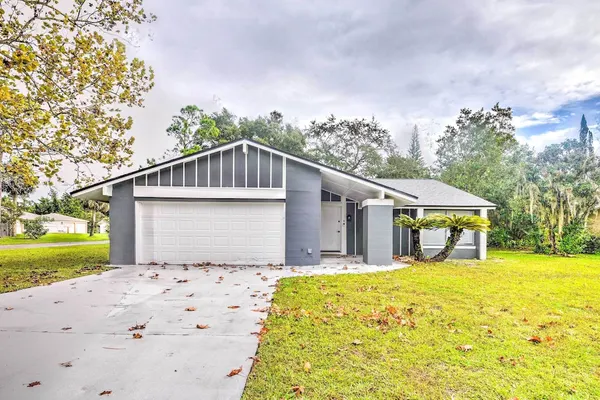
[437,237]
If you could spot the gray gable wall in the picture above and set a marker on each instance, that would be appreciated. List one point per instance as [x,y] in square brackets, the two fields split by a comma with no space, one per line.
[122,224]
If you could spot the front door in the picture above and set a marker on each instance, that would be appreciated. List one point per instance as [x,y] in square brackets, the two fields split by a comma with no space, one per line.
[331,227]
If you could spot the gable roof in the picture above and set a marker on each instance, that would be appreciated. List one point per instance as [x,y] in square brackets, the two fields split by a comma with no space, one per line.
[333,174]
[61,217]
[28,216]
[432,193]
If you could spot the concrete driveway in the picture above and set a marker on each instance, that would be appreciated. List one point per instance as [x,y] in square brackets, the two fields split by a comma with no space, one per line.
[84,324]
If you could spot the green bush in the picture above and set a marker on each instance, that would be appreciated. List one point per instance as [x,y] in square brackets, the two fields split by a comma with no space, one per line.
[540,246]
[573,239]
[35,228]
[592,244]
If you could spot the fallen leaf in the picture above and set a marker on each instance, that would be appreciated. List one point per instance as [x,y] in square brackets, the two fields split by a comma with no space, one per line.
[234,372]
[307,367]
[534,339]
[8,308]
[137,335]
[233,307]
[182,281]
[66,364]
[34,383]
[189,295]
[548,339]
[200,326]
[190,309]
[464,347]
[105,393]
[66,328]
[298,390]
[155,276]
[264,278]
[137,327]
[356,342]
[254,359]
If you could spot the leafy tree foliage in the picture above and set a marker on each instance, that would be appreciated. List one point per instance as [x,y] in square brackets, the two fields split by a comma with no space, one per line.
[36,228]
[356,146]
[397,166]
[64,76]
[414,150]
[193,130]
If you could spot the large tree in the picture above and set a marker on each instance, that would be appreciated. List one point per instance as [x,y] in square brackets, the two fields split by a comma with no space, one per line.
[193,130]
[397,166]
[414,149]
[64,78]
[356,146]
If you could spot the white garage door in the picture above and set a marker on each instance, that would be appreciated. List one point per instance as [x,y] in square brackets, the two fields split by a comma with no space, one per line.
[232,233]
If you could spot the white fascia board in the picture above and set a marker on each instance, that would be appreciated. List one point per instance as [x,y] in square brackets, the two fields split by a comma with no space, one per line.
[107,190]
[377,202]
[170,192]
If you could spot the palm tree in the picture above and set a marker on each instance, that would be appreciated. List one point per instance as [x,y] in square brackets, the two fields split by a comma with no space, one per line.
[95,207]
[415,225]
[457,225]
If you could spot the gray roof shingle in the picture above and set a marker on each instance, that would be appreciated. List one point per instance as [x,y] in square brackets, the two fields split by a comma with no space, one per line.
[432,193]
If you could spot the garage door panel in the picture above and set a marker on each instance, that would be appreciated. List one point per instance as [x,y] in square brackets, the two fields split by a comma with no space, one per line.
[241,233]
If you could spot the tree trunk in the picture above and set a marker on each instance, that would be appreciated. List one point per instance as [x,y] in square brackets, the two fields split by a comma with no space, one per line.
[93,223]
[416,240]
[451,242]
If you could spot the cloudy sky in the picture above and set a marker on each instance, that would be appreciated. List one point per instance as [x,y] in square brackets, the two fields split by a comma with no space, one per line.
[405,62]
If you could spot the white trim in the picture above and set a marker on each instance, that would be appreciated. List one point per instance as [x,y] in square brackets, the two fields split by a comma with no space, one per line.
[107,190]
[182,192]
[138,231]
[458,208]
[377,202]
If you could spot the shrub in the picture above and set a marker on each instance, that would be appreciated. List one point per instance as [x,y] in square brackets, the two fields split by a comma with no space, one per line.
[539,244]
[35,228]
[591,244]
[573,238]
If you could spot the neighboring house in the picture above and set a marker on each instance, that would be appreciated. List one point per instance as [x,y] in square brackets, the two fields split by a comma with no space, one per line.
[20,225]
[65,224]
[103,226]
[247,203]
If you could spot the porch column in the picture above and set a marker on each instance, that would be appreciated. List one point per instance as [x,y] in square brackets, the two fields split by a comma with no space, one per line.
[377,231]
[482,245]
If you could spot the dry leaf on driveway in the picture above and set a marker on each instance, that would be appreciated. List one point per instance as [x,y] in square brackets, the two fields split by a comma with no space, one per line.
[137,327]
[66,364]
[233,307]
[66,328]
[234,372]
[8,308]
[137,335]
[190,309]
[201,326]
[105,393]
[34,383]
[189,295]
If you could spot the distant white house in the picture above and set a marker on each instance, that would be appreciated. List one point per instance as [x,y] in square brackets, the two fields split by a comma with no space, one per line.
[59,223]
[103,226]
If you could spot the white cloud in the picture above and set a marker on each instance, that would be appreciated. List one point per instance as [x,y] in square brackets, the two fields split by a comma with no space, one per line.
[537,118]
[538,142]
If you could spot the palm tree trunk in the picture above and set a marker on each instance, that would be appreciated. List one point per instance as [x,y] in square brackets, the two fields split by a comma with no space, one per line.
[451,242]
[416,240]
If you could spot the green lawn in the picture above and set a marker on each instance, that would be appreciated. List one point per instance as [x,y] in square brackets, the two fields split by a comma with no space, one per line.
[54,238]
[23,268]
[355,331]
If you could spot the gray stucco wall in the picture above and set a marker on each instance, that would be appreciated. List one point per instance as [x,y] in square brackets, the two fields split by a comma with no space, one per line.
[302,214]
[396,247]
[122,224]
[377,234]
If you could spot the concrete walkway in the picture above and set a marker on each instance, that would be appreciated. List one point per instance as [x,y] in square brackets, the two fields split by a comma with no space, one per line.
[59,244]
[73,336]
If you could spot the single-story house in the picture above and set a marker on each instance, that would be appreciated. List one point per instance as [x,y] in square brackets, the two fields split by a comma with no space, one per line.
[247,203]
[58,223]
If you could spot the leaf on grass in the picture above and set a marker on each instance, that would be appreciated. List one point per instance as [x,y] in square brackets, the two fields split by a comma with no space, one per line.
[137,335]
[201,326]
[548,339]
[356,342]
[298,390]
[233,307]
[66,364]
[254,359]
[307,367]
[534,339]
[234,372]
[190,309]
[34,383]
[464,347]
[105,393]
